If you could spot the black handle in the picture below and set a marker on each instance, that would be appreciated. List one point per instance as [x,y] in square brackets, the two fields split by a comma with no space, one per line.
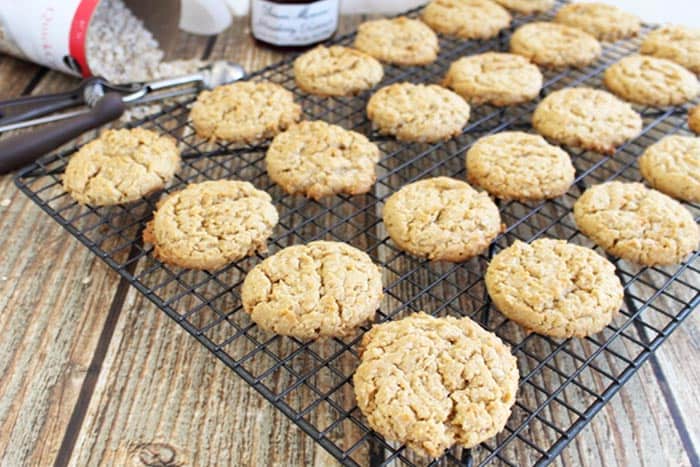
[22,149]
[24,108]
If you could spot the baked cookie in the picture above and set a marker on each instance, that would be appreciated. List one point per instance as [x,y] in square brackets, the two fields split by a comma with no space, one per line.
[317,159]
[516,165]
[672,165]
[604,22]
[494,78]
[244,112]
[555,45]
[433,383]
[651,81]
[526,7]
[554,288]
[586,118]
[635,223]
[694,119]
[322,289]
[121,166]
[468,19]
[418,112]
[211,224]
[401,41]
[336,71]
[679,44]
[441,219]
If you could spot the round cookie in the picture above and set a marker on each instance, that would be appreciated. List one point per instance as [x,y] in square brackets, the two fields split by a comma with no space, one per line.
[317,159]
[211,224]
[322,289]
[418,112]
[651,81]
[586,118]
[468,19]
[336,71]
[441,219]
[635,223]
[495,78]
[401,41]
[554,288]
[516,165]
[604,22]
[433,383]
[672,165]
[244,112]
[555,45]
[694,119]
[526,7]
[121,166]
[679,44]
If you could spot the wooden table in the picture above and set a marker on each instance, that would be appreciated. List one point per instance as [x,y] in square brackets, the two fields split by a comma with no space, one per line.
[93,373]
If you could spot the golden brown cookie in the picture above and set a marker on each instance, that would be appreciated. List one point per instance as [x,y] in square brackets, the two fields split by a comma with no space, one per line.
[526,7]
[244,112]
[555,288]
[441,219]
[586,118]
[694,119]
[418,112]
[433,383]
[635,223]
[211,224]
[679,44]
[604,22]
[401,41]
[555,45]
[672,165]
[516,165]
[322,289]
[468,19]
[121,166]
[336,71]
[495,78]
[317,159]
[651,81]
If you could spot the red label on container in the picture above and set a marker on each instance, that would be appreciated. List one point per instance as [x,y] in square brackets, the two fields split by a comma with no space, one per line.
[78,34]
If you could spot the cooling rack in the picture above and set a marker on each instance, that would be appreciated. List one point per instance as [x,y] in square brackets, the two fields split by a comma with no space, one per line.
[564,383]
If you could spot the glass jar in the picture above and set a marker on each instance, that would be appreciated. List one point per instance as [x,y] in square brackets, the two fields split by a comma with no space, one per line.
[294,24]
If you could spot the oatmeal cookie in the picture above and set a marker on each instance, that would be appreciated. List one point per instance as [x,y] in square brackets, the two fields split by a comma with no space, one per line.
[672,165]
[604,22]
[401,41]
[526,7]
[468,19]
[694,119]
[679,44]
[555,45]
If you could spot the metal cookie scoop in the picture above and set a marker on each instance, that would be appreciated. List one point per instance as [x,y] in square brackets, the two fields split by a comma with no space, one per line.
[105,102]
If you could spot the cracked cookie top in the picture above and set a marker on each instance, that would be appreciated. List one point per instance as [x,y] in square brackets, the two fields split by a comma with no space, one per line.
[526,7]
[433,383]
[244,112]
[586,118]
[468,19]
[672,165]
[635,223]
[336,71]
[401,41]
[211,224]
[602,21]
[441,219]
[680,44]
[322,289]
[555,45]
[121,166]
[554,288]
[418,112]
[317,159]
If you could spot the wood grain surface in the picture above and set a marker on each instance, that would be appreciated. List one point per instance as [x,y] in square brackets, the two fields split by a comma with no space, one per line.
[93,374]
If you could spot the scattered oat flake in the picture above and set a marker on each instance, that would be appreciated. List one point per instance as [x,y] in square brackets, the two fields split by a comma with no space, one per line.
[5,202]
[86,280]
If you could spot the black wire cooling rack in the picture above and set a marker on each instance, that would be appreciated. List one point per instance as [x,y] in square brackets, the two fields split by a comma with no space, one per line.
[563,383]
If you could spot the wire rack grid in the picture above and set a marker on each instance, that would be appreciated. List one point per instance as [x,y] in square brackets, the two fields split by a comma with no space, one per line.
[564,383]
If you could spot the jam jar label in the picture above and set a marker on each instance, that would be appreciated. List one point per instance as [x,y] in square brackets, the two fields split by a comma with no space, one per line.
[294,24]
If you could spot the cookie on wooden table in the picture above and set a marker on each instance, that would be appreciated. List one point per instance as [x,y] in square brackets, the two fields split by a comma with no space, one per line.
[322,289]
[555,288]
[441,219]
[211,224]
[495,78]
[694,119]
[679,44]
[586,118]
[602,21]
[121,166]
[317,159]
[516,165]
[401,41]
[636,223]
[526,7]
[468,19]
[244,112]
[336,71]
[433,383]
[555,45]
[672,166]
